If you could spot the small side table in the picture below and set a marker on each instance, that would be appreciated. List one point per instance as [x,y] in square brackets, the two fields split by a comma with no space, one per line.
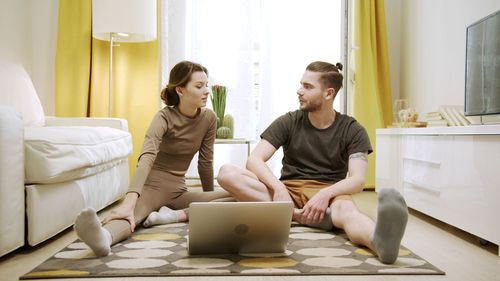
[228,141]
[235,141]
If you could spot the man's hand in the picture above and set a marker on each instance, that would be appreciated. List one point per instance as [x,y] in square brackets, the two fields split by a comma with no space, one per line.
[124,211]
[314,209]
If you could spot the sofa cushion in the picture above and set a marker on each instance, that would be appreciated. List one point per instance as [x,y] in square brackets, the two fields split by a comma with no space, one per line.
[58,154]
[17,90]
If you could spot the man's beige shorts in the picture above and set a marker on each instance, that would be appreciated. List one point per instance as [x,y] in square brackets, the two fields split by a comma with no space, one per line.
[302,191]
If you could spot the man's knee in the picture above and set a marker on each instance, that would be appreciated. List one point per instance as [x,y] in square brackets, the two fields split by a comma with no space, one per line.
[227,173]
[342,210]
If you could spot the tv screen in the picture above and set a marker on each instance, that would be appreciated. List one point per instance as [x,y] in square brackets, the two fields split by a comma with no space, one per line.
[482,67]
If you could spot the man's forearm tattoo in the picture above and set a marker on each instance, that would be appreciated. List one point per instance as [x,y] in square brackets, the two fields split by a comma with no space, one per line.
[359,155]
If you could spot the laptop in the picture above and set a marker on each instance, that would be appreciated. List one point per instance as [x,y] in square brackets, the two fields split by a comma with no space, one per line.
[239,227]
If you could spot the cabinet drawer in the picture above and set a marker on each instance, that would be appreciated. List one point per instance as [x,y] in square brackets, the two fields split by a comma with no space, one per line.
[422,158]
[423,175]
[423,200]
[423,148]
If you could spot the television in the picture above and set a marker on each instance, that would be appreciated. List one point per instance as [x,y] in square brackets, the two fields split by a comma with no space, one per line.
[482,67]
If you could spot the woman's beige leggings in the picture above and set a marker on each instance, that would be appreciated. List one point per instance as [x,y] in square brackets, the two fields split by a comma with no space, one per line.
[161,189]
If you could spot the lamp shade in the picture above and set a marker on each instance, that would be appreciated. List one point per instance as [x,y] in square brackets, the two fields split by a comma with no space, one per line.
[137,18]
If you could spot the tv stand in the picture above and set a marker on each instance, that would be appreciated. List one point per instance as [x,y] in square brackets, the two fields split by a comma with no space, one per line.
[449,173]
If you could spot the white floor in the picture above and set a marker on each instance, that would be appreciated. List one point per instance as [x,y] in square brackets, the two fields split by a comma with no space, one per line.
[457,253]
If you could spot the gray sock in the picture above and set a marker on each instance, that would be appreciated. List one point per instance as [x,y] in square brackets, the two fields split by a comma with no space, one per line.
[392,215]
[163,216]
[325,224]
[88,228]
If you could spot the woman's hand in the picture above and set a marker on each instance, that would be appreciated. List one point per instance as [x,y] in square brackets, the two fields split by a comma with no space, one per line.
[314,209]
[125,210]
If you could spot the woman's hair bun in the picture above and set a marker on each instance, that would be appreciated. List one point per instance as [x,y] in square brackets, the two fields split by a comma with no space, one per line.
[339,66]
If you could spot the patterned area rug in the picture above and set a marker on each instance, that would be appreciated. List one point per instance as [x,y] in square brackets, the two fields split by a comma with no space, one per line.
[161,251]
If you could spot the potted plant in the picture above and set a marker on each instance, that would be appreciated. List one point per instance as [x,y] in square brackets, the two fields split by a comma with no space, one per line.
[224,122]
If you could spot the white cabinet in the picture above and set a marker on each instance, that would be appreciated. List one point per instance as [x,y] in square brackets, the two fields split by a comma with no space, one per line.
[449,173]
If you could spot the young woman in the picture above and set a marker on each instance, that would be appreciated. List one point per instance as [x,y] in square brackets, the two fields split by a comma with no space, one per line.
[176,133]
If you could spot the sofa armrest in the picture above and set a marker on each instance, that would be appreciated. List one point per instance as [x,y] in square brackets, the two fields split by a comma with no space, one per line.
[11,179]
[117,123]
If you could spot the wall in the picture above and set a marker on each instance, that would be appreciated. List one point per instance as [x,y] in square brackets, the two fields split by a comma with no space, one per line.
[432,48]
[15,32]
[28,32]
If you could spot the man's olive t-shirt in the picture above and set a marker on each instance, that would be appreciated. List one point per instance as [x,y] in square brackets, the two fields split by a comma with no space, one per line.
[316,154]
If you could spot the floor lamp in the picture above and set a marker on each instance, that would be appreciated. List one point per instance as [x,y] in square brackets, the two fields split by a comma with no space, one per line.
[123,21]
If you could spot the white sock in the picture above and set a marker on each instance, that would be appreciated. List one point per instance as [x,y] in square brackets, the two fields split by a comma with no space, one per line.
[163,216]
[392,216]
[88,228]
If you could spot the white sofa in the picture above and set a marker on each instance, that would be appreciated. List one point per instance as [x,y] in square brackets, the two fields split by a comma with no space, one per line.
[51,168]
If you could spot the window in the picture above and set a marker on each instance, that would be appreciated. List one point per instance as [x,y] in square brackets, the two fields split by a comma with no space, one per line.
[258,48]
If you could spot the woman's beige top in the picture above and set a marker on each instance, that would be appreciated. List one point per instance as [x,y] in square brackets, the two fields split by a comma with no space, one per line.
[171,142]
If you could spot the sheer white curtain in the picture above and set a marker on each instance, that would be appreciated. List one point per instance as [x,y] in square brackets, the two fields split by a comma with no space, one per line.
[219,34]
[222,39]
[294,34]
[259,49]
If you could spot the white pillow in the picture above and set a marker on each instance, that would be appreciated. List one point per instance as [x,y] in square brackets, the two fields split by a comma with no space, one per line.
[17,90]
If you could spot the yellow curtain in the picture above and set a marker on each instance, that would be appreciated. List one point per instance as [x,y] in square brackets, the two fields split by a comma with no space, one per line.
[370,99]
[73,58]
[82,75]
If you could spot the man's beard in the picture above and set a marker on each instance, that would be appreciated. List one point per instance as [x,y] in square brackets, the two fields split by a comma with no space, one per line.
[311,107]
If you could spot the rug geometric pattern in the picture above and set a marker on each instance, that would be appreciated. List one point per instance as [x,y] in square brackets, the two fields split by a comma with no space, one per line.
[161,251]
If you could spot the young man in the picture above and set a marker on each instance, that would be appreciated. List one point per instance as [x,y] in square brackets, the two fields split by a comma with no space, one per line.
[324,162]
